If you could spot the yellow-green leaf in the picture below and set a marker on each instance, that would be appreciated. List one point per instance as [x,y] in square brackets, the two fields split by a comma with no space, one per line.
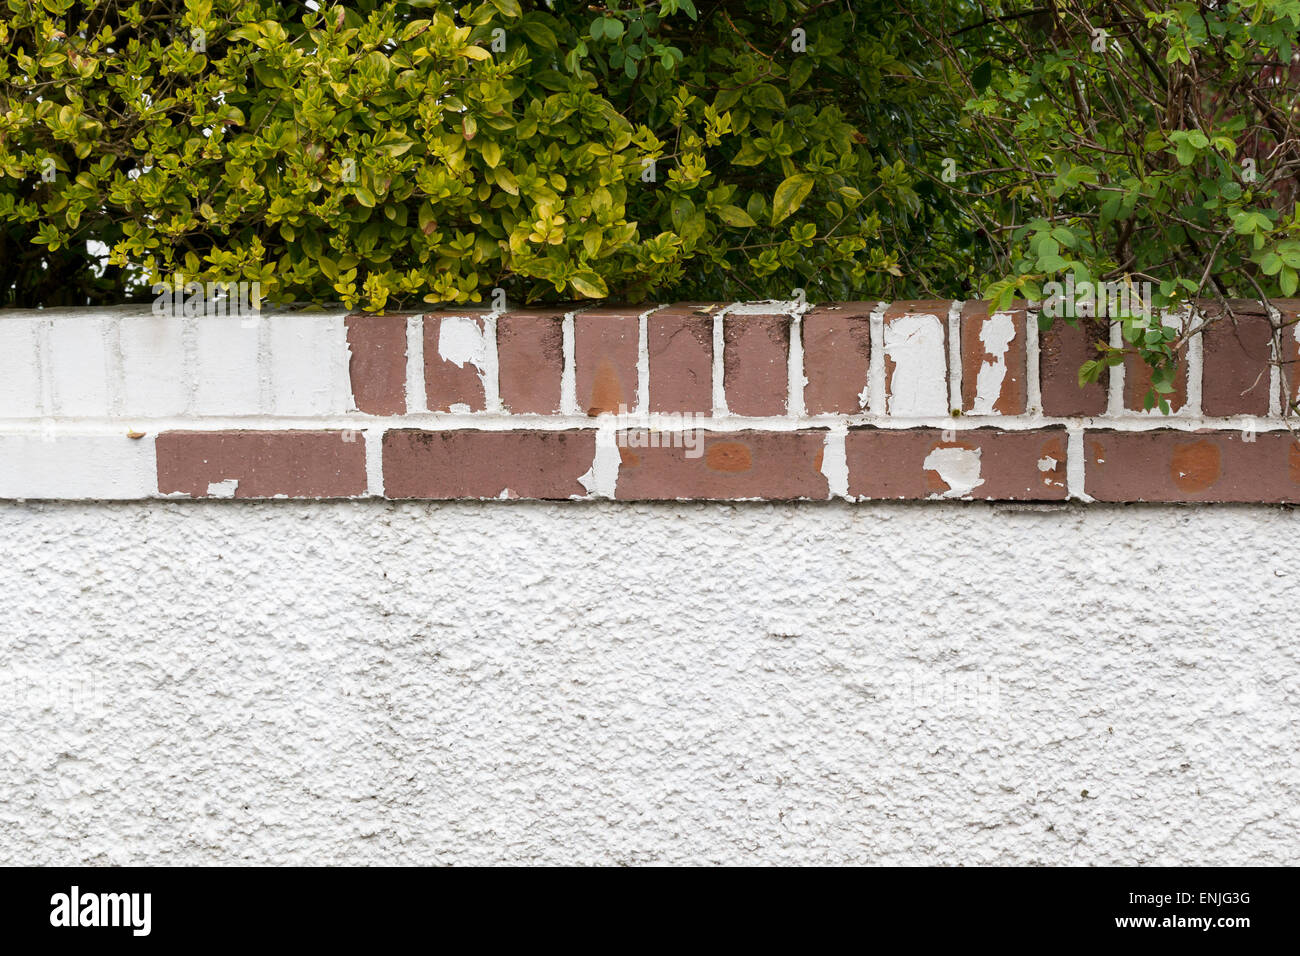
[588,285]
[735,216]
[790,195]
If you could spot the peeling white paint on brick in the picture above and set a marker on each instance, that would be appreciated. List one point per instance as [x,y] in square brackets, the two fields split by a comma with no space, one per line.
[835,463]
[601,479]
[914,344]
[223,489]
[462,340]
[996,335]
[958,468]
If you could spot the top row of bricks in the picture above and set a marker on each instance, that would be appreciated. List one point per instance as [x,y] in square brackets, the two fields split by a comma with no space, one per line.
[834,359]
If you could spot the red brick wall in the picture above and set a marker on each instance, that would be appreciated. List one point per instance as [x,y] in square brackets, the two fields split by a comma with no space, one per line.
[858,400]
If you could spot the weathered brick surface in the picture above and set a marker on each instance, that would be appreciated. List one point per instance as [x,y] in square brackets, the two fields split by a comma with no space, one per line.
[1061,350]
[916,358]
[262,464]
[377,366]
[467,463]
[986,463]
[1208,465]
[722,465]
[680,340]
[1236,350]
[530,354]
[993,360]
[605,342]
[836,357]
[756,369]
[454,356]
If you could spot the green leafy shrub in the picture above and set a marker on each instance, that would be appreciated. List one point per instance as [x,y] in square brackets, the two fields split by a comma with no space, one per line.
[1130,142]
[393,154]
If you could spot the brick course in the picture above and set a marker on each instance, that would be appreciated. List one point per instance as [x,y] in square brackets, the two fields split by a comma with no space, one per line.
[120,404]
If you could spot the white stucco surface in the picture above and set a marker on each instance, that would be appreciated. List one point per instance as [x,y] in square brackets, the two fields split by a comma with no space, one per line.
[367,682]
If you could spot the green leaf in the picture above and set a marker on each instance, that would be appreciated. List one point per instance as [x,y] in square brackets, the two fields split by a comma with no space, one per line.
[735,216]
[790,195]
[589,285]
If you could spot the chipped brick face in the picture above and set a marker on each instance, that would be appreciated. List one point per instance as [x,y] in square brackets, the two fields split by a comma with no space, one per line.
[681,358]
[512,406]
[986,463]
[756,363]
[837,358]
[377,369]
[605,359]
[993,360]
[530,350]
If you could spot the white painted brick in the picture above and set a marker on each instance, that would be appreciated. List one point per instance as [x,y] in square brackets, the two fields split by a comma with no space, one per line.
[310,371]
[77,466]
[914,343]
[154,378]
[20,384]
[227,374]
[78,363]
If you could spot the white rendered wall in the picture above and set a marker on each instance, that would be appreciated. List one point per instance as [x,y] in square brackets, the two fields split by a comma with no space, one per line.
[367,682]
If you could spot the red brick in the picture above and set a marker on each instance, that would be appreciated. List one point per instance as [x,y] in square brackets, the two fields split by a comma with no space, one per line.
[605,358]
[1062,349]
[836,357]
[530,356]
[921,387]
[377,366]
[1235,374]
[1025,465]
[1166,464]
[1137,382]
[447,384]
[266,464]
[985,347]
[467,463]
[756,363]
[727,465]
[680,341]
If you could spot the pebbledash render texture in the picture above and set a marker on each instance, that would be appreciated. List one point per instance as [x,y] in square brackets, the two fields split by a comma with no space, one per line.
[768,401]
